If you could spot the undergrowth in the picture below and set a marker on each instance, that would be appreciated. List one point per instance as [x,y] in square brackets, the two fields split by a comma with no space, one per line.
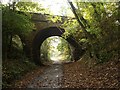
[14,70]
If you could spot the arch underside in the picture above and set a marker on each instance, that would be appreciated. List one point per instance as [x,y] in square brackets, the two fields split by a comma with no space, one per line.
[48,32]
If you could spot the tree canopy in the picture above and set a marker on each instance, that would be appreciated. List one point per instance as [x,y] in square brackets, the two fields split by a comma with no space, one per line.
[101,22]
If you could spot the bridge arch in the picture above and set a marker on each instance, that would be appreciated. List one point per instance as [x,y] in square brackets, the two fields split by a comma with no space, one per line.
[48,32]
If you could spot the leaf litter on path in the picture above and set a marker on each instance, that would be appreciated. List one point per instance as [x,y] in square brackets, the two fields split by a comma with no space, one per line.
[77,75]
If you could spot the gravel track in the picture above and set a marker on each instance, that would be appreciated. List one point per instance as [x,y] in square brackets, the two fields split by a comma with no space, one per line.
[51,78]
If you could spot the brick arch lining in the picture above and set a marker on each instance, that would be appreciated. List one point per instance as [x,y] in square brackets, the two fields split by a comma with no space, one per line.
[48,32]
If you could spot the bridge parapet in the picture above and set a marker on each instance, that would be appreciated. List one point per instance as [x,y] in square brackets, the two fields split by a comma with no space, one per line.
[46,20]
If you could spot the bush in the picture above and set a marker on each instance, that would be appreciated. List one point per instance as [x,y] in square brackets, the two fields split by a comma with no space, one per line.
[14,70]
[104,56]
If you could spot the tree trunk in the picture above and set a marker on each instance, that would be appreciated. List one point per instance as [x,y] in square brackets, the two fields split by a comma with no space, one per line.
[13,6]
[10,44]
[4,47]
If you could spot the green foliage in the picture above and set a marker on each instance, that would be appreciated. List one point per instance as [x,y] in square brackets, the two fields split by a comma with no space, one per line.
[14,23]
[104,56]
[70,28]
[64,49]
[101,21]
[45,49]
[29,7]
[14,70]
[55,48]
[56,19]
[16,42]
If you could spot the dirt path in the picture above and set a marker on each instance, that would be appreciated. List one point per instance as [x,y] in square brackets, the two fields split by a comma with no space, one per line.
[51,78]
[75,75]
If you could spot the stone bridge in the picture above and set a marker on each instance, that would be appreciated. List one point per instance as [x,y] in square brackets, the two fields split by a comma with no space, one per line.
[46,28]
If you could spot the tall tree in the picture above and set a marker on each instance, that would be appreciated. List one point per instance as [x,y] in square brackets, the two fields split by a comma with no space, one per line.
[100,21]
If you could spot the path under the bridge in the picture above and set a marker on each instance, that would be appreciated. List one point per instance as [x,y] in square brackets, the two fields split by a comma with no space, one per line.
[73,75]
[51,78]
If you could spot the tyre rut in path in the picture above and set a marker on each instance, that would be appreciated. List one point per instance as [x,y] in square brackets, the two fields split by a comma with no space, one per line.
[51,78]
